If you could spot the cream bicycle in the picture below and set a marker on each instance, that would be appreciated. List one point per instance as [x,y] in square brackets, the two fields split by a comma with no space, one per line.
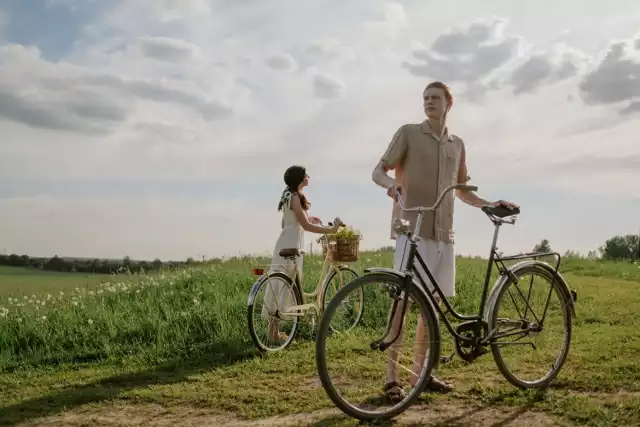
[287,303]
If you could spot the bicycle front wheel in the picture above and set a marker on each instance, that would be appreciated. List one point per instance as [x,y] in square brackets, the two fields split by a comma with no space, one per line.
[532,324]
[352,309]
[354,373]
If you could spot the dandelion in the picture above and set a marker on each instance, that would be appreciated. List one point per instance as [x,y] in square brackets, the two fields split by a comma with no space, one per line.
[90,321]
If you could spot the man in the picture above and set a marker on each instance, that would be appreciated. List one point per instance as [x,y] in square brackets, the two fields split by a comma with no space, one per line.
[426,160]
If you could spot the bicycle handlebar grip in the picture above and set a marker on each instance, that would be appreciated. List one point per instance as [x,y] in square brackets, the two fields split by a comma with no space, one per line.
[468,188]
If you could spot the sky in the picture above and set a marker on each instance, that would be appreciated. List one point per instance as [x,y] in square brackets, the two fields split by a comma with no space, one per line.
[162,128]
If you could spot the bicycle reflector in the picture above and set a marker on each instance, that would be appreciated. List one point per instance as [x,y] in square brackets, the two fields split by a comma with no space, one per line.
[256,271]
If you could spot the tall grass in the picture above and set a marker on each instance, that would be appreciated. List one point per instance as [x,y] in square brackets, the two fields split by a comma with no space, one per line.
[176,314]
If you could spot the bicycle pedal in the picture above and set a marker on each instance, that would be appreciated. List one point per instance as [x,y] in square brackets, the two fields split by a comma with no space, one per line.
[446,359]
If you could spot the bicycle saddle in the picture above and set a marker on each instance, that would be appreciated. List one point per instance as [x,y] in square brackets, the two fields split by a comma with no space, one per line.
[291,252]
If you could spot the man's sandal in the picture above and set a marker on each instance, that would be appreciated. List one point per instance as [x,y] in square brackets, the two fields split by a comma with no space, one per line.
[394,391]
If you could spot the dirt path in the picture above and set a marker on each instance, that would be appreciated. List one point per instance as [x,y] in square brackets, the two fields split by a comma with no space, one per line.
[444,413]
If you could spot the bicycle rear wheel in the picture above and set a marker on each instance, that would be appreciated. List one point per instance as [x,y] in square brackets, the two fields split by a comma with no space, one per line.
[272,325]
[534,313]
[353,373]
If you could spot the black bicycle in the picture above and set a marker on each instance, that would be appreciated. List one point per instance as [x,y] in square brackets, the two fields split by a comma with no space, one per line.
[515,328]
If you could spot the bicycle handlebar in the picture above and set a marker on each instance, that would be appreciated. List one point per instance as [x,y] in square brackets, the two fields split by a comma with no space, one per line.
[463,187]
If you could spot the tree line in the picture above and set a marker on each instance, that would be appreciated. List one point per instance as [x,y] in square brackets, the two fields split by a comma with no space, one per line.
[98,266]
[616,248]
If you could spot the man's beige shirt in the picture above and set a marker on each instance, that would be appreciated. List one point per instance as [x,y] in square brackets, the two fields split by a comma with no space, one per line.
[425,165]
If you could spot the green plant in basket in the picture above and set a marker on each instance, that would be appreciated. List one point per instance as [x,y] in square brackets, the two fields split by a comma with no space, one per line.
[347,232]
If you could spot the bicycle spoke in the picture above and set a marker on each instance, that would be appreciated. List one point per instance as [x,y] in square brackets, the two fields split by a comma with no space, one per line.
[352,372]
[535,347]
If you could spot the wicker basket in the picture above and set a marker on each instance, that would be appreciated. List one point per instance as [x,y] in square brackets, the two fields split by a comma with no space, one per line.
[341,249]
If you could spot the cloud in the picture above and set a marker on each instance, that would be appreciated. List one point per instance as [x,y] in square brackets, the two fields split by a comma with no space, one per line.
[90,115]
[547,68]
[167,49]
[468,53]
[281,62]
[216,98]
[616,78]
[327,86]
[66,96]
[484,57]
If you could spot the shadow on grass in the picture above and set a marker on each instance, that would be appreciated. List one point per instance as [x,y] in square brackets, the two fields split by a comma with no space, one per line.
[486,412]
[175,371]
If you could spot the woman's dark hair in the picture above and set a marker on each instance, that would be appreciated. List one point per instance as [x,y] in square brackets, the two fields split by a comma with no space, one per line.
[293,177]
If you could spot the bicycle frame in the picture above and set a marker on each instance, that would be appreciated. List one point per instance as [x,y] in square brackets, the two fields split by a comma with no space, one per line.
[328,266]
[410,272]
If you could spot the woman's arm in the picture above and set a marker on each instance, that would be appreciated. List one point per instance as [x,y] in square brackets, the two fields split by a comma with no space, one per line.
[304,221]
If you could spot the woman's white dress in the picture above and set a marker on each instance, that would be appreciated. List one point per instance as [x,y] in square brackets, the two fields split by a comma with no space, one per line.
[277,294]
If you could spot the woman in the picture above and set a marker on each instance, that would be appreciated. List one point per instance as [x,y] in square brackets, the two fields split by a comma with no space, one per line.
[295,221]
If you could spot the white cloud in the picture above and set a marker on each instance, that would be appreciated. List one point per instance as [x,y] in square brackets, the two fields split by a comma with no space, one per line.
[616,79]
[327,86]
[216,90]
[168,49]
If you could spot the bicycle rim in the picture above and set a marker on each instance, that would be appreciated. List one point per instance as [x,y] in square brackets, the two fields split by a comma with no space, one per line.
[536,303]
[353,378]
[277,290]
[351,311]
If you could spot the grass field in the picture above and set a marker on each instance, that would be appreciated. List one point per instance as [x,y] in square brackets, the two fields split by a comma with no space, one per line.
[173,349]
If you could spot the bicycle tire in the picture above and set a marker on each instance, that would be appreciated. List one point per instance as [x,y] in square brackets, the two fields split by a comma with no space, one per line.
[543,272]
[296,322]
[430,362]
[326,289]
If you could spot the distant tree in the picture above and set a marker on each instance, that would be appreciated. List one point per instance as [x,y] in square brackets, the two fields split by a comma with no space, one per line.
[621,248]
[541,247]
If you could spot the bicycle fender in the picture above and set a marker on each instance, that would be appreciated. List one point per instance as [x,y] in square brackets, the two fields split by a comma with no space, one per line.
[254,289]
[385,270]
[503,280]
